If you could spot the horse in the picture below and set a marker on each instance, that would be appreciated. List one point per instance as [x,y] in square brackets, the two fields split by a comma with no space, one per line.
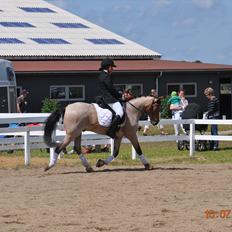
[80,116]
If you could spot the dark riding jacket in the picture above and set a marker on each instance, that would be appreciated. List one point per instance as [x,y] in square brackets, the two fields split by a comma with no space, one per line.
[107,89]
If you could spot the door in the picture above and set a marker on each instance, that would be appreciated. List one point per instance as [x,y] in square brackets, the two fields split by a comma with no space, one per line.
[225,97]
[12,99]
[3,100]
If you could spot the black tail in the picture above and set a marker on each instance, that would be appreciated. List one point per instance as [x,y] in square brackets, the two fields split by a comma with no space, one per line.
[50,127]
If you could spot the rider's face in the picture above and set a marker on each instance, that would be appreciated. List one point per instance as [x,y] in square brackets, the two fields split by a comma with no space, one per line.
[110,69]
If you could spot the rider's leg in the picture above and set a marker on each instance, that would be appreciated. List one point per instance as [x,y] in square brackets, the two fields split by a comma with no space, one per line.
[116,120]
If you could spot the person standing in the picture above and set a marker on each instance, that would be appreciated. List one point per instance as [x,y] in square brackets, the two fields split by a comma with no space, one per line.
[22,101]
[213,112]
[183,104]
[176,109]
[110,95]
[183,100]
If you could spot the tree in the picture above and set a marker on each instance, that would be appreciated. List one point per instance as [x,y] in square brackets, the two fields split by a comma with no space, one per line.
[49,105]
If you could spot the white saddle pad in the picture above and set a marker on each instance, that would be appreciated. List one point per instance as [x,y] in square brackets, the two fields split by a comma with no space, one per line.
[104,115]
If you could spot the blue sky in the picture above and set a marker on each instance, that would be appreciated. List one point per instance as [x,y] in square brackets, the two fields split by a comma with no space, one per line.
[178,29]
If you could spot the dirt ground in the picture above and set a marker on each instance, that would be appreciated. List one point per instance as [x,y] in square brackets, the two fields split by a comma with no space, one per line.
[167,198]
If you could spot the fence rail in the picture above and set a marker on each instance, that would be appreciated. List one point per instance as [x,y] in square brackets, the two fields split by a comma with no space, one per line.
[28,138]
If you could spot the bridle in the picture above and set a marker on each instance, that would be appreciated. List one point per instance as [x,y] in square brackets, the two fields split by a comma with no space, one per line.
[141,111]
[144,111]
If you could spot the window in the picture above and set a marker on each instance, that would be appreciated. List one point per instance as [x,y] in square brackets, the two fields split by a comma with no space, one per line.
[67,93]
[190,88]
[16,24]
[50,41]
[104,41]
[37,9]
[70,25]
[10,41]
[137,89]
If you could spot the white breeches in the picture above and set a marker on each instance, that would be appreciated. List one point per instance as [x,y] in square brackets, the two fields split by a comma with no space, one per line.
[177,115]
[117,107]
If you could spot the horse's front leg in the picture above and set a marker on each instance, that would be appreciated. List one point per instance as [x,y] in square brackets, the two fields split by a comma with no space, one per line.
[135,143]
[77,149]
[114,154]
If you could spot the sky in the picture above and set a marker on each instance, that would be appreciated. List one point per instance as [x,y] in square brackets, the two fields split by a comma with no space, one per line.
[187,30]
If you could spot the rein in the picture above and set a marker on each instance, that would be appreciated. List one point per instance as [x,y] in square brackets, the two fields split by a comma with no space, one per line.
[141,111]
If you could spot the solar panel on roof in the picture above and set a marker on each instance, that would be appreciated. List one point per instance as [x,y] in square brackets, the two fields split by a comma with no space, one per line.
[16,24]
[10,41]
[50,41]
[70,25]
[104,41]
[37,9]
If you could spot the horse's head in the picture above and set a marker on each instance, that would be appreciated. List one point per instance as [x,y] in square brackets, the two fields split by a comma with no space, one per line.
[152,108]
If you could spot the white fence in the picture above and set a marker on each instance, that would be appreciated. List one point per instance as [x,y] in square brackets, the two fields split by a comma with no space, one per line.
[28,138]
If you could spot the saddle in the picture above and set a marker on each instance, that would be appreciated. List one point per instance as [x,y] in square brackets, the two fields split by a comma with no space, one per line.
[100,102]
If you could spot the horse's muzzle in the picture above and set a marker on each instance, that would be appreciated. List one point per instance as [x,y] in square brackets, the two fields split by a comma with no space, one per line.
[154,122]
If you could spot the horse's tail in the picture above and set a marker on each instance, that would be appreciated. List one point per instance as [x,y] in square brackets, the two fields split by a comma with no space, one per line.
[50,127]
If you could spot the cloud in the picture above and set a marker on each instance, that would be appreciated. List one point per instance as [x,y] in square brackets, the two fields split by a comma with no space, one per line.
[204,3]
[184,22]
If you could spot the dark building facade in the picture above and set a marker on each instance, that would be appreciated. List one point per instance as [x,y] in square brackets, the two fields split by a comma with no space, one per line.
[70,82]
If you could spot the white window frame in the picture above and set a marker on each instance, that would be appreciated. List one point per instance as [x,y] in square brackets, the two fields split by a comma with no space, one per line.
[129,86]
[67,92]
[181,85]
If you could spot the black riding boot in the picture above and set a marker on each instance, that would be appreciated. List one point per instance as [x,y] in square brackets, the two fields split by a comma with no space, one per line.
[114,127]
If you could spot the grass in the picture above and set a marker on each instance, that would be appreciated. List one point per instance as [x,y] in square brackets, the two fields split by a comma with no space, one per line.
[159,153]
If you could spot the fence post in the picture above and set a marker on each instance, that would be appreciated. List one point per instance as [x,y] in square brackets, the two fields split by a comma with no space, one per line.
[133,153]
[27,155]
[111,146]
[192,139]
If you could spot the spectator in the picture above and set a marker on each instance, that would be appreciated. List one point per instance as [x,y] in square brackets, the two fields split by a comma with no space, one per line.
[183,100]
[176,108]
[213,113]
[183,103]
[21,101]
[127,95]
[160,127]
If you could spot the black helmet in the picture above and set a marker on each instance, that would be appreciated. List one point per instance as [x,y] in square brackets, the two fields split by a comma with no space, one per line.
[106,63]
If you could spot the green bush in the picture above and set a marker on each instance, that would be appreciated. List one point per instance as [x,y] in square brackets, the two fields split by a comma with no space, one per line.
[165,111]
[49,105]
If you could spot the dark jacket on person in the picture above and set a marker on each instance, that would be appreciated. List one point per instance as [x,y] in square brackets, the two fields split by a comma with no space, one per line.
[213,109]
[107,89]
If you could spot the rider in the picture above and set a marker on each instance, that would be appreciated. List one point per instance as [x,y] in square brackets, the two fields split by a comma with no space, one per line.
[109,94]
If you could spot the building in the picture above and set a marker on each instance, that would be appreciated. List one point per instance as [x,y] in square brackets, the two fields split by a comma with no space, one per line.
[57,55]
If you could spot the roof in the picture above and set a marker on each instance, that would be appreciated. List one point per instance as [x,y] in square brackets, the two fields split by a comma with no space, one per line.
[37,29]
[122,65]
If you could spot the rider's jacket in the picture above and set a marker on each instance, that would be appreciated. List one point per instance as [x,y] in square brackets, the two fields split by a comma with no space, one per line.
[107,89]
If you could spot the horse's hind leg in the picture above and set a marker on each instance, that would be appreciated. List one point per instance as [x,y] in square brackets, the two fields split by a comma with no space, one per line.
[58,149]
[135,143]
[77,149]
[101,162]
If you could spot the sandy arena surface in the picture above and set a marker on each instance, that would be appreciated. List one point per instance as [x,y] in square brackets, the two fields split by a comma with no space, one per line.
[167,198]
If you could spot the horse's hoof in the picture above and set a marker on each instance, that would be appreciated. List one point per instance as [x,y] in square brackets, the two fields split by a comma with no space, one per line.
[46,168]
[100,163]
[89,169]
[148,167]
